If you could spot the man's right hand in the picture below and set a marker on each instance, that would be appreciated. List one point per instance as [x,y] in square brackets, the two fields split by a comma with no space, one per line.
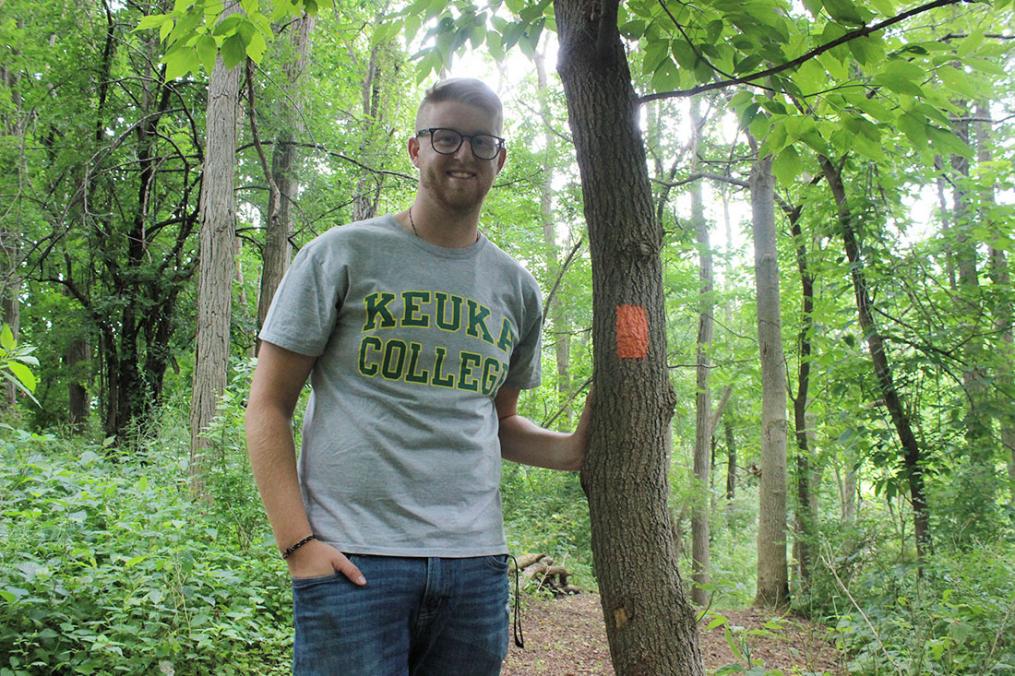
[317,559]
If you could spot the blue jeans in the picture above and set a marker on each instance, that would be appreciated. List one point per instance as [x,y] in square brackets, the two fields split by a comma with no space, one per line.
[415,617]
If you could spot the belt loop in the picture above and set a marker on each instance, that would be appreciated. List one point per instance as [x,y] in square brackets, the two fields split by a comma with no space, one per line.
[519,636]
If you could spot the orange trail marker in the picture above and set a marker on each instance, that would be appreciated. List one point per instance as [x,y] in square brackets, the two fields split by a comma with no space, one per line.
[632,332]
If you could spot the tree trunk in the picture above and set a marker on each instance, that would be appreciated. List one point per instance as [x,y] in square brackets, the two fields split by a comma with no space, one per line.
[218,229]
[649,623]
[977,479]
[945,223]
[912,457]
[279,228]
[999,276]
[805,514]
[703,404]
[731,460]
[10,248]
[556,312]
[76,357]
[773,581]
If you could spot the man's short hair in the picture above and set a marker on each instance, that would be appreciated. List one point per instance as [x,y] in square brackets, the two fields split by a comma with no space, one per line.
[464,90]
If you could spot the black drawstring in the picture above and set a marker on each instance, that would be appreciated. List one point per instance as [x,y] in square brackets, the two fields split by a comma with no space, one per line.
[519,637]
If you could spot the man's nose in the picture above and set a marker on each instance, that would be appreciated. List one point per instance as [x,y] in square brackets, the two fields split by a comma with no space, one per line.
[464,151]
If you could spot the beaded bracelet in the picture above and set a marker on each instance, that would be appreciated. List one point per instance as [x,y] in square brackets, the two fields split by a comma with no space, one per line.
[292,550]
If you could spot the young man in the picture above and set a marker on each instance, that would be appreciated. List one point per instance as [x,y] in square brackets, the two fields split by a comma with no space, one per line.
[418,334]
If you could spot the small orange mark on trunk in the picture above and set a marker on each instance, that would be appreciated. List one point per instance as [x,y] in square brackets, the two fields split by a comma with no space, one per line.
[620,617]
[632,332]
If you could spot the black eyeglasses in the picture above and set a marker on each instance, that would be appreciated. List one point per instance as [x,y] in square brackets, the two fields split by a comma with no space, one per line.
[447,142]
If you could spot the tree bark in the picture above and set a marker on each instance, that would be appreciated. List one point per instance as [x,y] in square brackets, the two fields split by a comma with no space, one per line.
[805,511]
[912,457]
[278,232]
[649,623]
[977,494]
[1002,310]
[773,581]
[731,460]
[218,229]
[702,400]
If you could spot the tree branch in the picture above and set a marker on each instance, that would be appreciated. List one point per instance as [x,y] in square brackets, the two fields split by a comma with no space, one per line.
[851,35]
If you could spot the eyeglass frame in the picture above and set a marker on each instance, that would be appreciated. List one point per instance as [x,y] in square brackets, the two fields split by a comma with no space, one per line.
[461,139]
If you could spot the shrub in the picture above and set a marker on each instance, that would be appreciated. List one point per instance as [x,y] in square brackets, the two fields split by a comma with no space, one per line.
[110,567]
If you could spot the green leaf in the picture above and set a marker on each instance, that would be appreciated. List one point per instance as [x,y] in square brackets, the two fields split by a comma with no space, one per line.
[256,47]
[633,29]
[684,54]
[207,49]
[901,77]
[7,341]
[666,78]
[810,77]
[885,7]
[786,166]
[152,21]
[233,51]
[960,82]
[165,29]
[718,621]
[180,61]
[655,52]
[843,11]
[915,128]
[24,374]
[228,25]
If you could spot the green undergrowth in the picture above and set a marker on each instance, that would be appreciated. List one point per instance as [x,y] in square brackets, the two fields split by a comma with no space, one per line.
[957,617]
[108,566]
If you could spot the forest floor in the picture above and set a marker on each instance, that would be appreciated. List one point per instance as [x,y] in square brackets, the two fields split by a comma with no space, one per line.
[566,637]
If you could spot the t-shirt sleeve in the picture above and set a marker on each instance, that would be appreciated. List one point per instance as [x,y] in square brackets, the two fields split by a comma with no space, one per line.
[525,371]
[305,308]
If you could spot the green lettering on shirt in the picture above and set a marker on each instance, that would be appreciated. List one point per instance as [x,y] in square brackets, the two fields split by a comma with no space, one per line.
[438,368]
[507,336]
[413,374]
[477,321]
[367,342]
[440,314]
[391,367]
[467,381]
[411,312]
[376,305]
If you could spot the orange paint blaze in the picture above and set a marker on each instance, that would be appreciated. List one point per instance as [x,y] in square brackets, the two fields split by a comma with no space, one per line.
[632,332]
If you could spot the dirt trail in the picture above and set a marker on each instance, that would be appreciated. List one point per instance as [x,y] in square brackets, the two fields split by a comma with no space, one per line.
[566,637]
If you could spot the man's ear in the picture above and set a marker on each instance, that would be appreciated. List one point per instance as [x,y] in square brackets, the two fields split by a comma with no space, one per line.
[413,148]
[501,159]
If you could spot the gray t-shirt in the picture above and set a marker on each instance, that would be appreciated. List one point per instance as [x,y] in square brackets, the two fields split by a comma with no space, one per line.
[400,452]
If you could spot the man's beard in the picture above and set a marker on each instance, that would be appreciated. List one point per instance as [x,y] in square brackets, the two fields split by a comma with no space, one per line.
[440,187]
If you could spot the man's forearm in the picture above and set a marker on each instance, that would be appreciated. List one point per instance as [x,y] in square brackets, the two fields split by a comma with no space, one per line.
[273,461]
[523,441]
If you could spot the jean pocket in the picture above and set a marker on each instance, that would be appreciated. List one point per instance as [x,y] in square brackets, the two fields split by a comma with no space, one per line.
[301,582]
[496,562]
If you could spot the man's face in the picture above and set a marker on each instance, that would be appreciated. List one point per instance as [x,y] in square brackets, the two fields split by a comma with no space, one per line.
[457,182]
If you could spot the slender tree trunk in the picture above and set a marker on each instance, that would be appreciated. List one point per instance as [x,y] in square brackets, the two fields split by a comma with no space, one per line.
[731,460]
[978,477]
[10,245]
[649,623]
[218,229]
[556,311]
[703,404]
[773,581]
[945,215]
[912,456]
[805,514]
[279,230]
[1002,310]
